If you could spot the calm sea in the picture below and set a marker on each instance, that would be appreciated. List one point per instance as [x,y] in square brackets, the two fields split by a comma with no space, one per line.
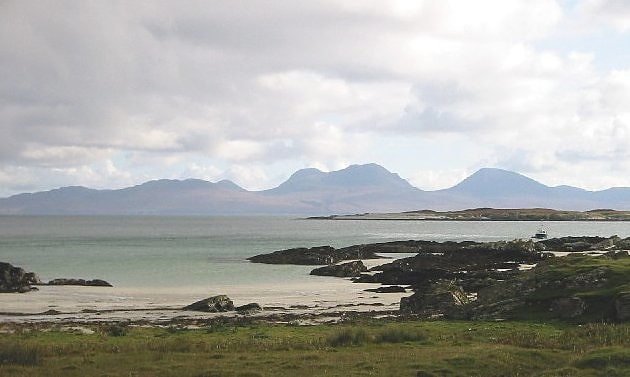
[173,252]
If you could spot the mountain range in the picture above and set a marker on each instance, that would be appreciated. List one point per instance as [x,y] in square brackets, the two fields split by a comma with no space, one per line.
[355,189]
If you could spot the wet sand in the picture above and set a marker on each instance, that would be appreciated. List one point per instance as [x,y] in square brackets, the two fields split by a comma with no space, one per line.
[316,296]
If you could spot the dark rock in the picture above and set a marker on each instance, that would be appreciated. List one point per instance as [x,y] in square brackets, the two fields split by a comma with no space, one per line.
[622,307]
[471,265]
[50,312]
[220,303]
[568,307]
[442,298]
[349,269]
[319,255]
[577,287]
[249,308]
[82,282]
[618,254]
[388,289]
[574,244]
[15,279]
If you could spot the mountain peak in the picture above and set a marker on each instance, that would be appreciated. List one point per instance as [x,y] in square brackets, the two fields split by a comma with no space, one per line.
[495,182]
[367,175]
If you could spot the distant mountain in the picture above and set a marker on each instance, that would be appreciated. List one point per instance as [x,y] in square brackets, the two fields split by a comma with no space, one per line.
[500,188]
[355,189]
[354,176]
[493,183]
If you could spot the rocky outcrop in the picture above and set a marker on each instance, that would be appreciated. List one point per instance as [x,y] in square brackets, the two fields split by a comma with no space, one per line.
[388,289]
[577,287]
[82,282]
[249,308]
[584,243]
[441,299]
[349,269]
[471,265]
[15,279]
[319,255]
[622,307]
[568,307]
[214,304]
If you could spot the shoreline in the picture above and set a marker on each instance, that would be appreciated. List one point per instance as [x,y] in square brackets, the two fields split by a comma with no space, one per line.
[485,269]
[315,297]
[487,214]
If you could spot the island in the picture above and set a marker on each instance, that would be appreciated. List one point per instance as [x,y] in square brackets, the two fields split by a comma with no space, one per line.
[489,214]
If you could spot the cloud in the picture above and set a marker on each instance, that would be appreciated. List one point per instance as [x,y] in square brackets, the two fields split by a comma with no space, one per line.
[609,12]
[226,89]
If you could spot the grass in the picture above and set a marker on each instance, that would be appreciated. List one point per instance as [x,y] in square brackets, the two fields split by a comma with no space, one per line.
[420,348]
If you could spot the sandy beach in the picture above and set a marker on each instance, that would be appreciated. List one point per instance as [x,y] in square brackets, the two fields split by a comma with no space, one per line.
[315,296]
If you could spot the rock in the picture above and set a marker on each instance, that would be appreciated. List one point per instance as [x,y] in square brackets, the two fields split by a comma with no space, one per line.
[622,307]
[444,298]
[618,254]
[573,244]
[319,255]
[568,307]
[15,279]
[349,269]
[388,289]
[50,312]
[82,282]
[249,308]
[220,303]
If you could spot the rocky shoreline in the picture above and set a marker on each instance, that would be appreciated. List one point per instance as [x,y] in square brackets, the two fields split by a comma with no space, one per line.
[16,280]
[519,279]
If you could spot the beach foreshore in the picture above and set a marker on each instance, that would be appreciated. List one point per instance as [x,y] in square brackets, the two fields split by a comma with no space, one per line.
[317,299]
[86,304]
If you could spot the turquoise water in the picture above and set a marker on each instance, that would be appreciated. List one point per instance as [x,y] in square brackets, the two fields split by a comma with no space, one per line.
[171,252]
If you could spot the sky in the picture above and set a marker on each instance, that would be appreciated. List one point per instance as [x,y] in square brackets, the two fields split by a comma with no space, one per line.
[109,94]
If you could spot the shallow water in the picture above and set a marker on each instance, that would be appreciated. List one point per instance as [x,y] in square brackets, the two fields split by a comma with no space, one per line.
[179,252]
[169,261]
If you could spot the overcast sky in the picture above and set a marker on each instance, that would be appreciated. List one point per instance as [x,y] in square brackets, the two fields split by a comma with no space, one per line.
[108,94]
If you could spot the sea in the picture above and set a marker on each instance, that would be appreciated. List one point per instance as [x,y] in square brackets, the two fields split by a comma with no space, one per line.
[193,256]
[180,251]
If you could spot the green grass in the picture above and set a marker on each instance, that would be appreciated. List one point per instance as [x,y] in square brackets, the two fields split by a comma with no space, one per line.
[381,348]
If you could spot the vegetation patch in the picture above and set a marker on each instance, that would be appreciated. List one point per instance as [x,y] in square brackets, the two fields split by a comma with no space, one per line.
[406,348]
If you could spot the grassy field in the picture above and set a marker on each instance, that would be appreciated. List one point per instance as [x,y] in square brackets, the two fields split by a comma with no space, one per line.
[373,348]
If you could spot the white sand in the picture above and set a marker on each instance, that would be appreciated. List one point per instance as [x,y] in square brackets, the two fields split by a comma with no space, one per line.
[315,295]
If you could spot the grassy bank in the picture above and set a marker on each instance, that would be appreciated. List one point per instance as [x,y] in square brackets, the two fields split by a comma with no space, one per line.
[416,348]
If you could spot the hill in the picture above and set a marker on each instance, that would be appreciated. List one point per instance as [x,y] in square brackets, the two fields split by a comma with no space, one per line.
[355,189]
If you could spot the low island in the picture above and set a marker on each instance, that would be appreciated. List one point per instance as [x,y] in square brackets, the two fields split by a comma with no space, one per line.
[490,214]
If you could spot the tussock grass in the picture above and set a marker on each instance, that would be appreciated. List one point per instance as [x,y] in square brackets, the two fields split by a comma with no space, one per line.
[20,354]
[430,348]
[360,336]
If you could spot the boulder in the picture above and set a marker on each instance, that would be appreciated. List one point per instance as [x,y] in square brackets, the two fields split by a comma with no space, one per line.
[568,307]
[214,304]
[82,282]
[444,299]
[388,289]
[249,308]
[618,254]
[349,269]
[622,307]
[15,279]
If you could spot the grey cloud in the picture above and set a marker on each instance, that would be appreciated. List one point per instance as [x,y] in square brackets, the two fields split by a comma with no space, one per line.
[83,81]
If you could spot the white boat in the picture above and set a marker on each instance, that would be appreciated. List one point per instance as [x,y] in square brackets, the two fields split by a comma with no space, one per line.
[541,233]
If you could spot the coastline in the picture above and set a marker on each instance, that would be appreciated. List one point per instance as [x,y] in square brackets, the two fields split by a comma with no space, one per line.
[316,297]
[487,214]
